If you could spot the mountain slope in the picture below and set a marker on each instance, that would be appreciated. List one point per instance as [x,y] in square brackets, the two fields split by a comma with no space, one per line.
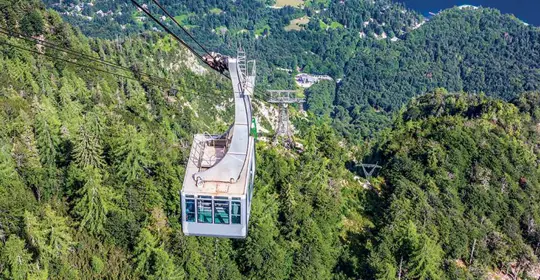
[459,49]
[322,45]
[471,50]
[461,189]
[91,167]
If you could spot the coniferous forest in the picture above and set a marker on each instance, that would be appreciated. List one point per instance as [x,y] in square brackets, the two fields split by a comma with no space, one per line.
[92,163]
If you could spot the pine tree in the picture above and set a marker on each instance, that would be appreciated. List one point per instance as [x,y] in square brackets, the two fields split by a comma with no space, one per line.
[15,258]
[388,272]
[72,110]
[146,244]
[262,255]
[33,23]
[94,203]
[87,151]
[426,260]
[153,262]
[47,132]
[132,154]
[194,262]
[50,235]
[7,169]
[163,267]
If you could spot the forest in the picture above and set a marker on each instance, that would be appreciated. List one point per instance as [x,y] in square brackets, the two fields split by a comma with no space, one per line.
[223,25]
[91,166]
[470,50]
[475,51]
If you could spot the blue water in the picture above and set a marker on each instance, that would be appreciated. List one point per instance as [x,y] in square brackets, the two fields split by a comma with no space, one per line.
[526,10]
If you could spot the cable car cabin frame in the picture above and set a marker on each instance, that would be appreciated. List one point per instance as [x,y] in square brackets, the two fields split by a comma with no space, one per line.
[218,184]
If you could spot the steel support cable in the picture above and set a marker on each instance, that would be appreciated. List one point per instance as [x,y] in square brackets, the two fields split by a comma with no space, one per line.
[174,35]
[79,64]
[167,29]
[72,52]
[181,27]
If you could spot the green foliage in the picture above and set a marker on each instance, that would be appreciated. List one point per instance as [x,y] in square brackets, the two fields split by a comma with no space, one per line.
[48,233]
[144,249]
[131,153]
[454,165]
[473,51]
[97,264]
[47,132]
[94,203]
[263,254]
[15,259]
[33,23]
[87,151]
[261,30]
[320,98]
[153,262]
[426,259]
[91,164]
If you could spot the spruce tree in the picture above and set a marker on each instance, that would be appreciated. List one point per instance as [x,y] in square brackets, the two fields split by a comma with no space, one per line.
[164,267]
[94,203]
[132,154]
[15,258]
[426,260]
[48,233]
[146,244]
[87,151]
[47,130]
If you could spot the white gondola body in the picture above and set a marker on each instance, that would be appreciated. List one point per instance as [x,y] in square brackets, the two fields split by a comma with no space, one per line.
[218,184]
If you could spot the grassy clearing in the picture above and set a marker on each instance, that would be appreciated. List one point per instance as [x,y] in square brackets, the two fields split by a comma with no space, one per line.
[216,11]
[221,30]
[332,25]
[260,31]
[323,25]
[297,24]
[336,25]
[183,19]
[310,3]
[293,3]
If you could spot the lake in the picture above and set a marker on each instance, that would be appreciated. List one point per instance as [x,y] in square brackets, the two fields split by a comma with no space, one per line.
[526,10]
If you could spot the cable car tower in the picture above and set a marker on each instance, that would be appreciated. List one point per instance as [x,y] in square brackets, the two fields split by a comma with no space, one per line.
[283,98]
[369,169]
[218,184]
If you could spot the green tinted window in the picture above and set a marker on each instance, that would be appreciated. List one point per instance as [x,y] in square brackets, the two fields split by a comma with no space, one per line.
[221,212]
[204,208]
[236,211]
[190,210]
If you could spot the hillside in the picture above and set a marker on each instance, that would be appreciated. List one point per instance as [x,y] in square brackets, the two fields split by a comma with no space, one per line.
[384,54]
[322,45]
[91,167]
[461,50]
[458,192]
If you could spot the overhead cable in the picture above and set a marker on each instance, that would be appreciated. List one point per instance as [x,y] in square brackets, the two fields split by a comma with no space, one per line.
[72,52]
[147,12]
[181,27]
[80,64]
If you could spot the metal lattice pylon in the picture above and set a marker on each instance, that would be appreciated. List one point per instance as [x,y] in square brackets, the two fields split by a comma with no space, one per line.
[369,169]
[283,98]
[242,62]
[283,129]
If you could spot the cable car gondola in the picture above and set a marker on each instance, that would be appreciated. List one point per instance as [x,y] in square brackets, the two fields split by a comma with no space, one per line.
[218,184]
[217,61]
